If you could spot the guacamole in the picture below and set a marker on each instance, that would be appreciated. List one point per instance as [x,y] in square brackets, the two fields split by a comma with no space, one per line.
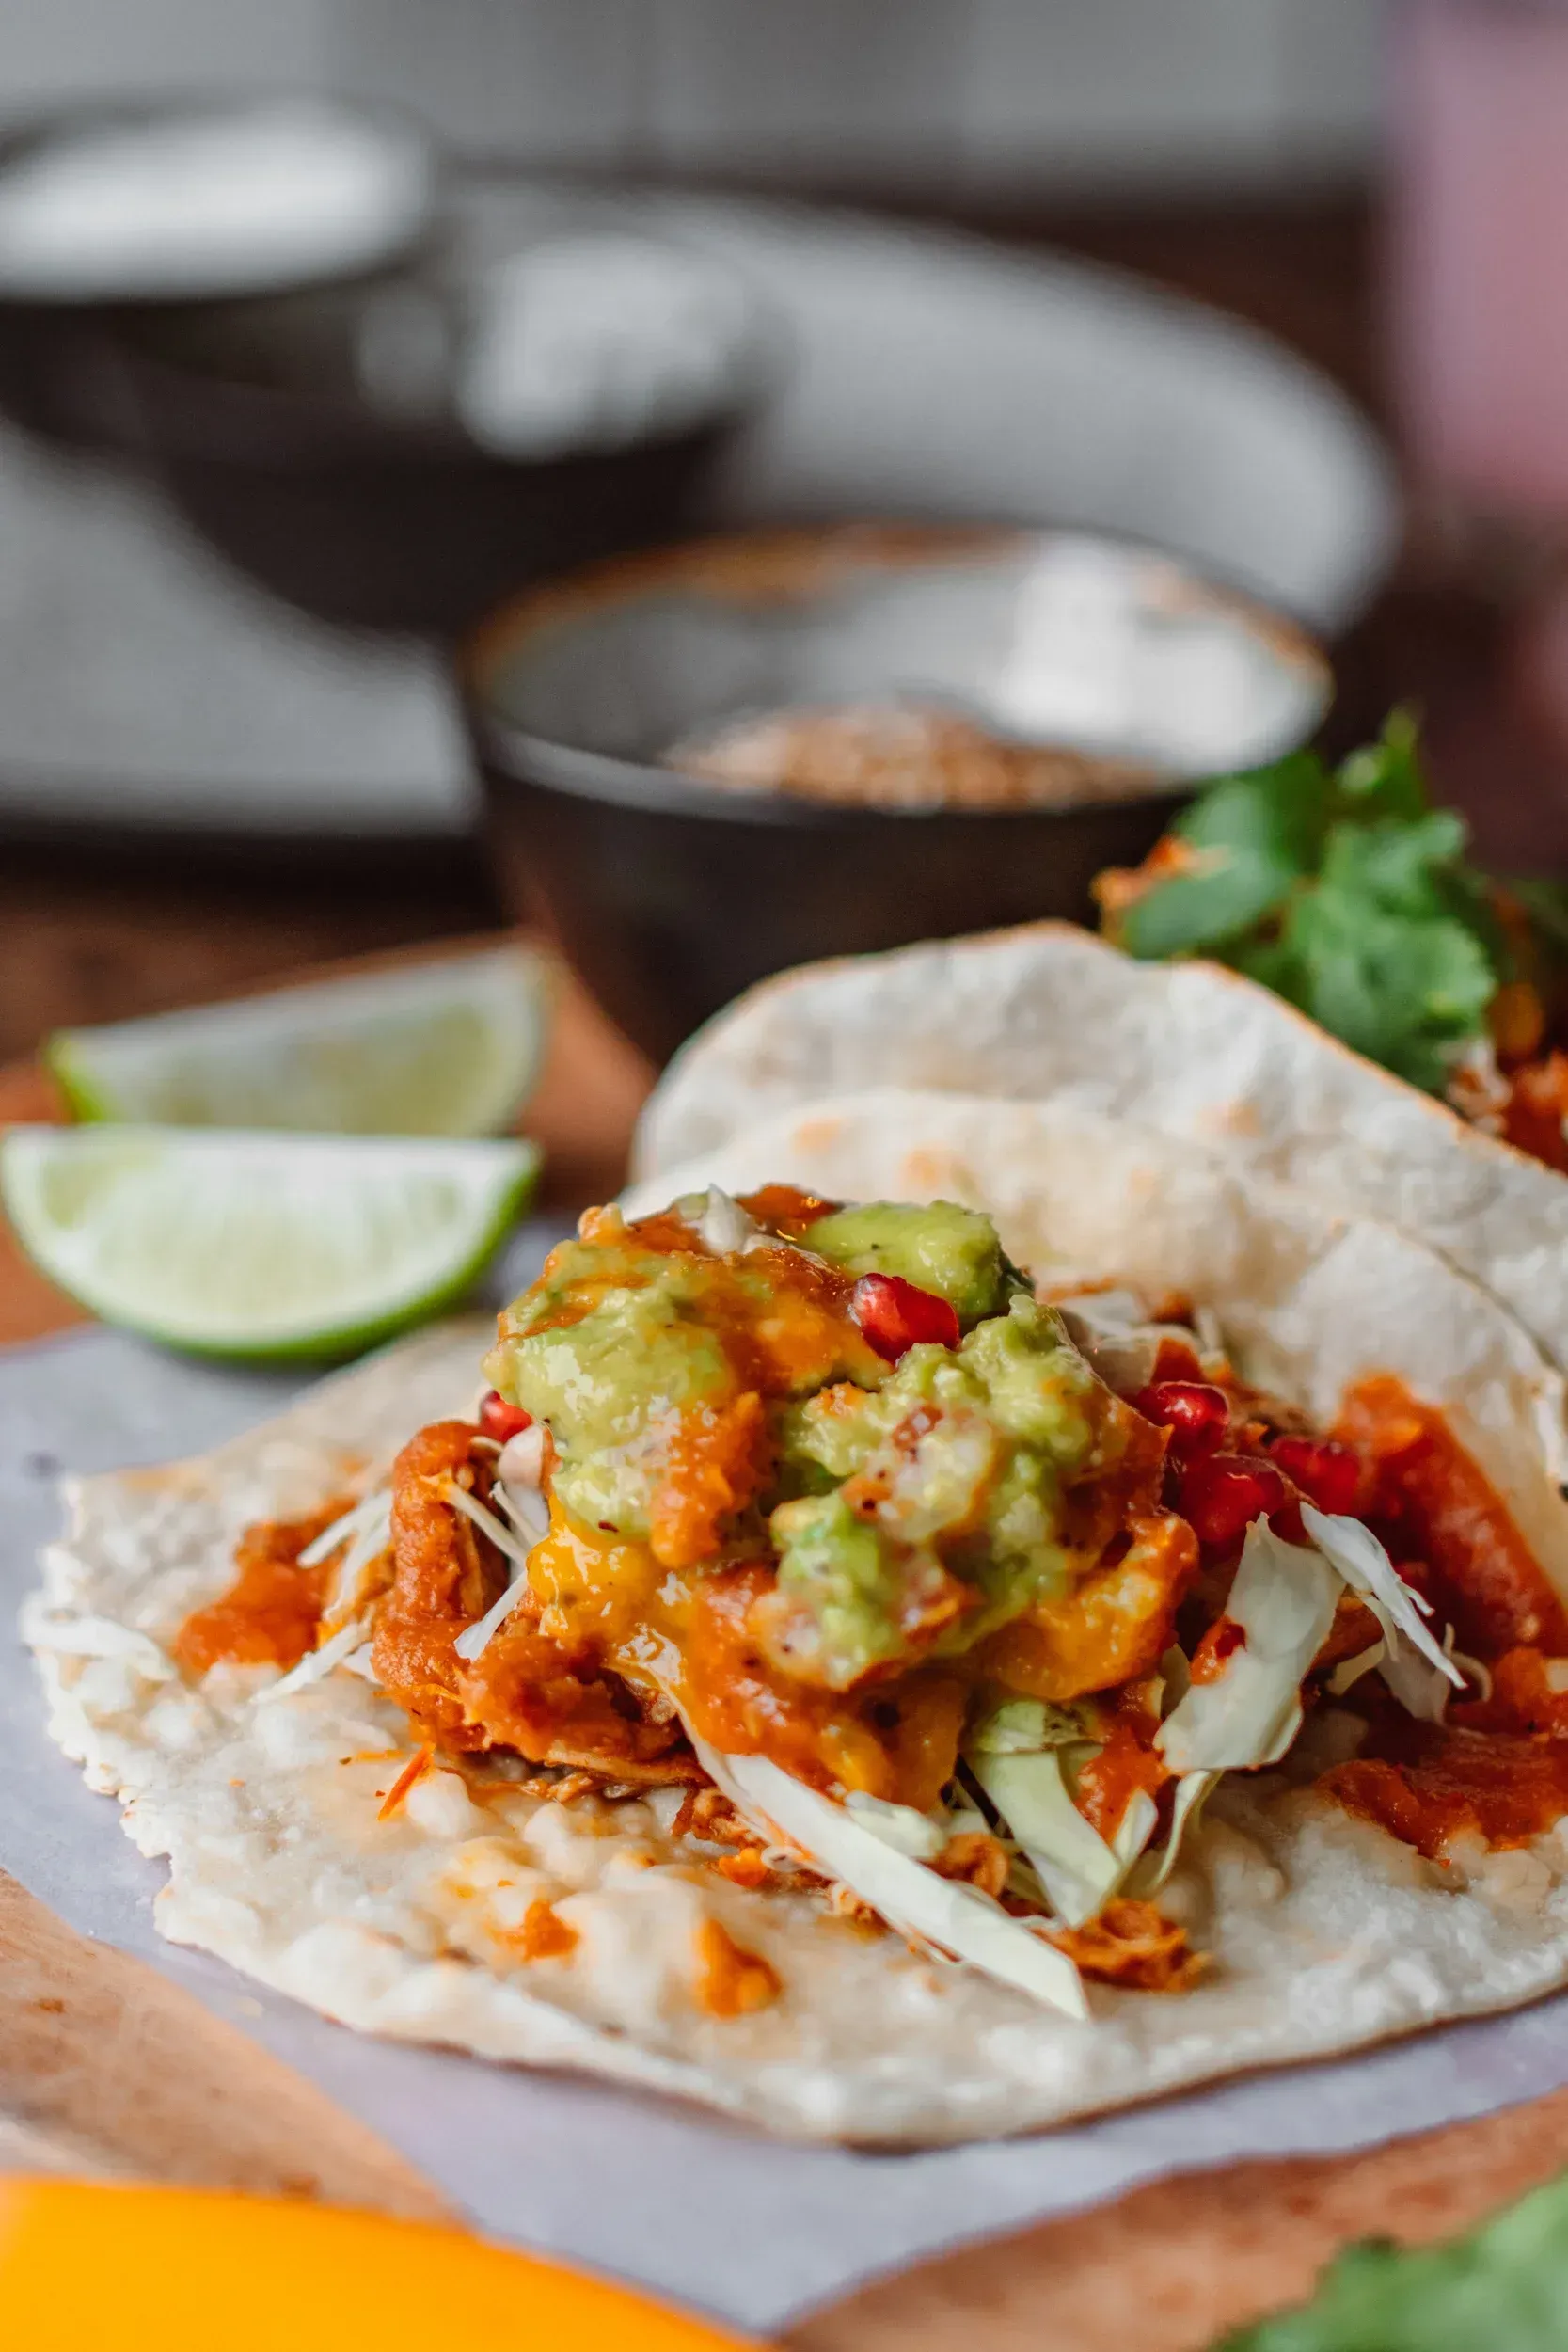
[723,1406]
[954,1252]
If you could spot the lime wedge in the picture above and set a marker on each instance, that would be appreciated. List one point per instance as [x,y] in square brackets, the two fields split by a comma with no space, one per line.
[256,1246]
[443,1049]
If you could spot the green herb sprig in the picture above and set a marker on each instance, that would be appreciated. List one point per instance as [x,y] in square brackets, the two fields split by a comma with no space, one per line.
[1347,892]
[1502,2289]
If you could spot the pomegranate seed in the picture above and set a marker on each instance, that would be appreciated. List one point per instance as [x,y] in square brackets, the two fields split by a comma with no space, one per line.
[896,1315]
[1196,1415]
[499,1419]
[1328,1474]
[1221,1494]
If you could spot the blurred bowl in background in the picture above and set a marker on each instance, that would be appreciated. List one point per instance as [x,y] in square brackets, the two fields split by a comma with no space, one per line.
[106,210]
[966,724]
[399,451]
[935,372]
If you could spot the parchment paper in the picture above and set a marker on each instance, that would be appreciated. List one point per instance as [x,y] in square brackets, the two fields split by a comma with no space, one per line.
[752,2230]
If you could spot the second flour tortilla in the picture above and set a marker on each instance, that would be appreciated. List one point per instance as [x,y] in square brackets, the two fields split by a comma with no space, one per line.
[1324,1934]
[1047,1012]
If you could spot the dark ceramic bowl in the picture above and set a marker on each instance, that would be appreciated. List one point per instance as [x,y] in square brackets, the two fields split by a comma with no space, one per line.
[109,213]
[671,894]
[400,452]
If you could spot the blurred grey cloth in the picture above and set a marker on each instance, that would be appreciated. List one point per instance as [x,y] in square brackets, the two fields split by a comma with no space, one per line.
[143,680]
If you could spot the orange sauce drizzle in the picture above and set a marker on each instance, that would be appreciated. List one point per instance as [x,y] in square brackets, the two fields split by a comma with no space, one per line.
[1444,1522]
[544,1934]
[1428,1783]
[270,1615]
[732,1981]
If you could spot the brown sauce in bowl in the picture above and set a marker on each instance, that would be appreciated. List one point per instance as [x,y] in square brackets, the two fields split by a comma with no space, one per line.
[900,755]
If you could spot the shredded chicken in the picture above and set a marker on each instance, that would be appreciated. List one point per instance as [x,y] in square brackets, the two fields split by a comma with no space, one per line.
[524,1692]
[1133,1944]
[977,1859]
[749,1867]
[1535,1119]
[704,1813]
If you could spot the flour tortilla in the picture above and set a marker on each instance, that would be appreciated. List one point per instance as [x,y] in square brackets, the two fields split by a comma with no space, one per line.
[1325,1933]
[1047,1012]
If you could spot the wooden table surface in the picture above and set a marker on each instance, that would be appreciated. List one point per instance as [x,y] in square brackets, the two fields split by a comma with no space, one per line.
[105,2066]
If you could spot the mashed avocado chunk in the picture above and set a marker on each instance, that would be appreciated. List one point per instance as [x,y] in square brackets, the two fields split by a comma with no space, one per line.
[1019,1370]
[966,1450]
[940,1248]
[608,1385]
[725,1407]
[859,1594]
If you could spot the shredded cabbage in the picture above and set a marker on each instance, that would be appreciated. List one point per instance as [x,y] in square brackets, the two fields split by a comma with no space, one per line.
[521,1461]
[371,1540]
[335,1651]
[1112,1329]
[917,1835]
[526,1507]
[348,1523]
[1024,1726]
[911,1899]
[1348,1673]
[1078,1870]
[1284,1598]
[500,1535]
[1191,1793]
[1415,1681]
[475,1639]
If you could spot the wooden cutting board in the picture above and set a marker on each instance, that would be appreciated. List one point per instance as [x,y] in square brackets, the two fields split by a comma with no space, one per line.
[105,2067]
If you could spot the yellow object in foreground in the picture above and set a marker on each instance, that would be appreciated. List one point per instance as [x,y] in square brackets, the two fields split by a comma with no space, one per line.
[190,2270]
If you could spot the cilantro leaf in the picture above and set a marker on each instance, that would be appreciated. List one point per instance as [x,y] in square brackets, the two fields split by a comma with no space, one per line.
[1397,864]
[1345,893]
[1385,779]
[1402,989]
[1278,814]
[1252,837]
[1203,910]
[1502,2285]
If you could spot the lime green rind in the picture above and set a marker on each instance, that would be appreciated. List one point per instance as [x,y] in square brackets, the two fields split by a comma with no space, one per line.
[87,1107]
[106,1077]
[331,1344]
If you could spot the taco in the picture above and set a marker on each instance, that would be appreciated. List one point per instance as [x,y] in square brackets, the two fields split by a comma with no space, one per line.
[838,1674]
[1047,1012]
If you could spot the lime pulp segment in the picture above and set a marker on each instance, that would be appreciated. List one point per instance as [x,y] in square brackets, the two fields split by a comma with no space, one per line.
[260,1246]
[447,1048]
